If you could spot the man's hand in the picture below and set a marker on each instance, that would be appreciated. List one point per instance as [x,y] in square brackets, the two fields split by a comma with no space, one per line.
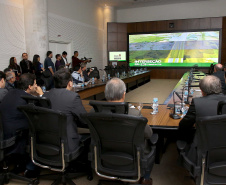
[39,91]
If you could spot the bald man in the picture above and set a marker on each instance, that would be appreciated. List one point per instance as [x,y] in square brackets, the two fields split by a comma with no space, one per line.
[218,72]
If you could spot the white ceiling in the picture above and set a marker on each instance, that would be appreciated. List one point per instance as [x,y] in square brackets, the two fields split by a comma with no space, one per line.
[121,4]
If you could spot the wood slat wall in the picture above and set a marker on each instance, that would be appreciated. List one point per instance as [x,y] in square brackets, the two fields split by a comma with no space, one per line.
[117,37]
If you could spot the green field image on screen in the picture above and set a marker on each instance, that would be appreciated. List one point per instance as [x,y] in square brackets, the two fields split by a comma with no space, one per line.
[174,49]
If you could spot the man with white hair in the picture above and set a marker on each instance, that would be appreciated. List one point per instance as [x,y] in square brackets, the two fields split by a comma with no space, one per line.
[200,107]
[115,91]
[10,80]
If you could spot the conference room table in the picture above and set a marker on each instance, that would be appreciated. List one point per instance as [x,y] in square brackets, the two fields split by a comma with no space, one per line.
[162,123]
[99,85]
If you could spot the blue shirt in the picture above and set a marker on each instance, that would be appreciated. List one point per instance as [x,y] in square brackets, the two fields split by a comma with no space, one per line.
[49,64]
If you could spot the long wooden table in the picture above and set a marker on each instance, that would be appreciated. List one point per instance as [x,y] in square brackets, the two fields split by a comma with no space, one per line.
[99,86]
[162,123]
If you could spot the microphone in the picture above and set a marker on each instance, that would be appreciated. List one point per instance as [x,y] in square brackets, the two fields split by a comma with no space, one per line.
[174,115]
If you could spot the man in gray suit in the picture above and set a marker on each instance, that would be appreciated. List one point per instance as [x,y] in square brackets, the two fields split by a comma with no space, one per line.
[69,102]
[3,91]
[115,91]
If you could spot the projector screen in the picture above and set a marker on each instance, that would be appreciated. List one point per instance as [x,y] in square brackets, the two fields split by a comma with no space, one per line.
[184,49]
[119,56]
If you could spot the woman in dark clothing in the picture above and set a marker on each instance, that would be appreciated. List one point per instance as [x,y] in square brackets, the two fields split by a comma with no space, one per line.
[14,66]
[38,69]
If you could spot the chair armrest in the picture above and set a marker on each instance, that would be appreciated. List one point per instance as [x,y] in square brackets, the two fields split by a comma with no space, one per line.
[181,145]
[8,142]
[154,138]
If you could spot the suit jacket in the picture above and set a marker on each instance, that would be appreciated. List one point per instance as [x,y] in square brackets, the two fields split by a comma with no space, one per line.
[3,92]
[200,107]
[25,68]
[62,63]
[220,75]
[69,103]
[9,86]
[13,119]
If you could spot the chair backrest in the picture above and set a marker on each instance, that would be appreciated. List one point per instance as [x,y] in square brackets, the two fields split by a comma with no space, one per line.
[38,101]
[211,137]
[48,132]
[95,73]
[117,139]
[110,107]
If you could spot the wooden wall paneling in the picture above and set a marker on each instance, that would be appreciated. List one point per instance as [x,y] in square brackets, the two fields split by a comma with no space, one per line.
[122,37]
[205,23]
[122,28]
[151,26]
[112,37]
[216,22]
[193,24]
[122,46]
[140,26]
[112,46]
[223,43]
[112,27]
[161,25]
[131,28]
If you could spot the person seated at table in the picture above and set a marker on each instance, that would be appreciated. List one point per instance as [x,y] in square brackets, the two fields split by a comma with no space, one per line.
[69,102]
[218,72]
[10,80]
[3,91]
[201,106]
[84,72]
[115,91]
[14,120]
[77,75]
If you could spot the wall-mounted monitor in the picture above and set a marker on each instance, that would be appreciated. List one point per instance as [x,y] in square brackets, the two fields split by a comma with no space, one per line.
[180,49]
[117,56]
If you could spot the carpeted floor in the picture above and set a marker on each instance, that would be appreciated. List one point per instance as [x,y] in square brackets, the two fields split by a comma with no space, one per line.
[156,88]
[167,172]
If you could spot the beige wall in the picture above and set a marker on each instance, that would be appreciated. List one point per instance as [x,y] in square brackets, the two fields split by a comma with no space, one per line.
[211,8]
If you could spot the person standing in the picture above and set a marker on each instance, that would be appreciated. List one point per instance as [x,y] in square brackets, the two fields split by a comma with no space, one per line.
[64,60]
[58,62]
[48,63]
[14,66]
[26,65]
[76,61]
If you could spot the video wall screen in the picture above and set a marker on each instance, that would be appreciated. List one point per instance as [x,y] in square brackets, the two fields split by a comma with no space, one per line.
[184,49]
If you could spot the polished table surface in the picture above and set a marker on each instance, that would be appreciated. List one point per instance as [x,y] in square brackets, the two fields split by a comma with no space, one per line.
[98,87]
[162,120]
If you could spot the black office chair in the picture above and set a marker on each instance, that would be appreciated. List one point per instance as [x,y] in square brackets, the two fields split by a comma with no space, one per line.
[5,144]
[38,101]
[210,167]
[95,73]
[49,145]
[117,149]
[107,107]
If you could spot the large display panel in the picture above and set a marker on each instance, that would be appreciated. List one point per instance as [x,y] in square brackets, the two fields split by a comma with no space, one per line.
[119,56]
[184,49]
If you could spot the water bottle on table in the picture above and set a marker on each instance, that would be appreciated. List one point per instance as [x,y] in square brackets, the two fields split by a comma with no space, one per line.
[155,106]
[43,88]
[93,81]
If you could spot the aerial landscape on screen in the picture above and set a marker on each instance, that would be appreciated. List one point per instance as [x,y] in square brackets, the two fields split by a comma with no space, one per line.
[183,49]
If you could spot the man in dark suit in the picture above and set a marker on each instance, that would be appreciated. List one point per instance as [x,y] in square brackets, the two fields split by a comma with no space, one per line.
[26,65]
[204,106]
[69,102]
[115,91]
[218,72]
[10,80]
[64,61]
[3,91]
[13,119]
